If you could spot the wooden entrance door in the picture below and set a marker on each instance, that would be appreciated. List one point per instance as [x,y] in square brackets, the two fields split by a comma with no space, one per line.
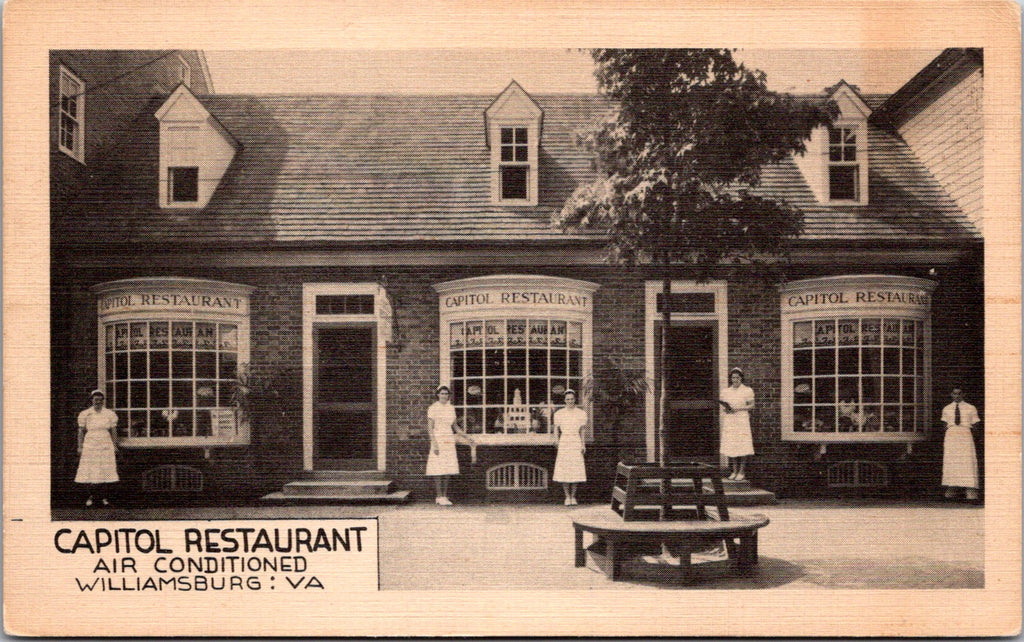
[691,386]
[344,398]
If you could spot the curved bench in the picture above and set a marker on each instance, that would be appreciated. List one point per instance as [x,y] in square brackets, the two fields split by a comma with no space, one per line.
[686,536]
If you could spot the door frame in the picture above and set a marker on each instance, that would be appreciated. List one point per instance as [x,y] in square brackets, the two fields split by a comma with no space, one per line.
[380,320]
[720,317]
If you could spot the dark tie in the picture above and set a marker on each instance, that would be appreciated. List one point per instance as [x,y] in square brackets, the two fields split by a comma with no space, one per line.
[956,414]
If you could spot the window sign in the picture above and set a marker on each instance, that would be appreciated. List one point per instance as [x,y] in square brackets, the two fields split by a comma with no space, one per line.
[855,359]
[170,358]
[527,340]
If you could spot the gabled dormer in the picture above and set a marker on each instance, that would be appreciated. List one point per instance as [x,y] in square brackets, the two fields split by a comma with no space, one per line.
[836,163]
[195,151]
[513,125]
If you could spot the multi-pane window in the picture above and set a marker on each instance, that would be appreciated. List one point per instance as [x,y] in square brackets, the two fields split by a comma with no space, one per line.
[183,184]
[843,167]
[170,379]
[509,375]
[72,115]
[858,375]
[514,166]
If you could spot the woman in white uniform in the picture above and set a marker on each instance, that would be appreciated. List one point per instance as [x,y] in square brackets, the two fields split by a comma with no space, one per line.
[442,461]
[737,400]
[97,435]
[570,469]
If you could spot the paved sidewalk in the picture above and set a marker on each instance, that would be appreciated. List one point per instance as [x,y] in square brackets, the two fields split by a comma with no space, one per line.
[810,544]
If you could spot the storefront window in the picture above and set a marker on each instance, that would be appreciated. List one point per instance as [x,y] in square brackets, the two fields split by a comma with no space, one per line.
[172,378]
[856,359]
[170,355]
[508,376]
[857,375]
[511,346]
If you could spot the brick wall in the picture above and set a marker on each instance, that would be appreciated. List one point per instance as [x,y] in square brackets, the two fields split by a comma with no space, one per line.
[241,474]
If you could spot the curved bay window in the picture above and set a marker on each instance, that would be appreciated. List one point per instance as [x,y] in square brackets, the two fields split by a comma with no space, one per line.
[171,350]
[510,348]
[856,363]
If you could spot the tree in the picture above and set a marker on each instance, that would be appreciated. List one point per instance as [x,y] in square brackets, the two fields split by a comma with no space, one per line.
[678,159]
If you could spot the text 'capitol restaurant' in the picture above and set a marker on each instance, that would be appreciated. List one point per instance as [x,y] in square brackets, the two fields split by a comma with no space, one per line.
[273,291]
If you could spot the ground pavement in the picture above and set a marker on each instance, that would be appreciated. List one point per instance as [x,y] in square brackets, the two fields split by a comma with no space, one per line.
[808,544]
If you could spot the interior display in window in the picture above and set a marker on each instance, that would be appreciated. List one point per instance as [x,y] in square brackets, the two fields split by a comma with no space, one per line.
[512,389]
[866,381]
[171,352]
[856,358]
[511,346]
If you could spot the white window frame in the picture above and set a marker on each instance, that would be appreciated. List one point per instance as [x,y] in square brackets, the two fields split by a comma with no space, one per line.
[514,163]
[77,151]
[380,318]
[170,185]
[720,315]
[531,165]
[834,285]
[504,312]
[859,164]
[145,286]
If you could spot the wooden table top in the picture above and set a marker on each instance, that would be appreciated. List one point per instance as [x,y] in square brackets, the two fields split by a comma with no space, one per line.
[603,518]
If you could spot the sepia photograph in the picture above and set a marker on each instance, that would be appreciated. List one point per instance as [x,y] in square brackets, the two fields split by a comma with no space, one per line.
[649,320]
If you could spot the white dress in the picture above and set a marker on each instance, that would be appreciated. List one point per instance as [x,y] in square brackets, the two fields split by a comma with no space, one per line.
[736,438]
[569,464]
[98,463]
[445,462]
[959,458]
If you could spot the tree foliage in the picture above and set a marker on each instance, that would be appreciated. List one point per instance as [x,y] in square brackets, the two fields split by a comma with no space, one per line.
[681,153]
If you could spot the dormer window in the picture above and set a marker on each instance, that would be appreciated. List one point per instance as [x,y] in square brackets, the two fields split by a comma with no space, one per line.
[843,166]
[515,164]
[72,116]
[183,184]
[195,151]
[512,126]
[836,163]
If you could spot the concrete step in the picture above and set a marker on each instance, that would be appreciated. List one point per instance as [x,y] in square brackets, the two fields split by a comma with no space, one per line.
[345,474]
[397,497]
[338,486]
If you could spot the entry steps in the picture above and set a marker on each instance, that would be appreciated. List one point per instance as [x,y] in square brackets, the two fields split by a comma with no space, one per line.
[339,487]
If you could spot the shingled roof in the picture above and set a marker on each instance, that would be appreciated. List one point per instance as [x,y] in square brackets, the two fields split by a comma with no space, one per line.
[345,170]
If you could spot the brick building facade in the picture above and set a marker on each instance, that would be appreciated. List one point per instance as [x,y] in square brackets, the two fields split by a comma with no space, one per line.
[353,252]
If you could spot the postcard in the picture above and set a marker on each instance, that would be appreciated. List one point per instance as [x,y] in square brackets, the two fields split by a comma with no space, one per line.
[481,320]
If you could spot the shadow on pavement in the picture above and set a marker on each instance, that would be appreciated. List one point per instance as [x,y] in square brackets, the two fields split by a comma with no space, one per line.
[722,574]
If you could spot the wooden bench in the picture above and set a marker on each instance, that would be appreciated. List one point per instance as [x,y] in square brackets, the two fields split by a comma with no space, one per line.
[669,505]
[621,539]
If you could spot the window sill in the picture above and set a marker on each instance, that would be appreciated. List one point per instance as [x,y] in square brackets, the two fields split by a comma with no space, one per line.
[849,437]
[181,442]
[71,154]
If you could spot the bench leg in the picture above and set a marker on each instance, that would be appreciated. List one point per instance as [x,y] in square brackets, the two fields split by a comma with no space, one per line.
[747,557]
[614,563]
[685,567]
[581,555]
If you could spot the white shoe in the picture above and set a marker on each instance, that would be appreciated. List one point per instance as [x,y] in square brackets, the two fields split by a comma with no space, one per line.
[740,477]
[573,502]
[443,501]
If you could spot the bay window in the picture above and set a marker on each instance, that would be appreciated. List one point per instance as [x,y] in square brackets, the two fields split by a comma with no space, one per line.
[510,348]
[856,359]
[171,353]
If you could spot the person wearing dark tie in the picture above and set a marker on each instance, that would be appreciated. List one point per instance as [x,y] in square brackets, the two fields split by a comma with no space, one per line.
[959,458]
